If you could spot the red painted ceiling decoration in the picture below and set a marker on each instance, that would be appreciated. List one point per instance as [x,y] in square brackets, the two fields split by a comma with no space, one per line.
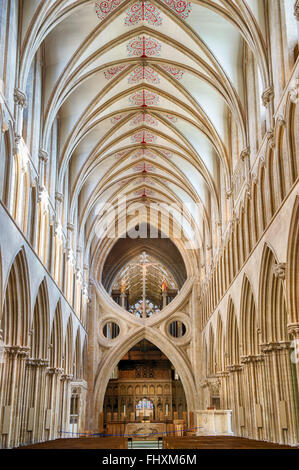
[116,119]
[143,137]
[144,98]
[144,193]
[121,154]
[144,168]
[144,118]
[171,118]
[167,153]
[143,11]
[181,8]
[174,71]
[143,46]
[144,72]
[148,181]
[104,8]
[143,153]
[113,71]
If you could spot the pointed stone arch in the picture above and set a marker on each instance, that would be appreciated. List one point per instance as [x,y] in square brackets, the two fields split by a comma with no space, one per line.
[41,323]
[272,306]
[16,307]
[68,348]
[292,271]
[77,360]
[232,335]
[248,320]
[220,341]
[211,352]
[177,358]
[56,340]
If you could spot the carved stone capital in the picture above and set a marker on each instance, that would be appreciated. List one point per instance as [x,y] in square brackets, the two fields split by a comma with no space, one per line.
[15,351]
[17,141]
[250,359]
[270,137]
[279,270]
[229,193]
[66,377]
[293,91]
[245,154]
[20,98]
[70,227]
[37,362]
[235,368]
[293,330]
[59,197]
[54,371]
[274,347]
[43,155]
[296,10]
[268,96]
[281,120]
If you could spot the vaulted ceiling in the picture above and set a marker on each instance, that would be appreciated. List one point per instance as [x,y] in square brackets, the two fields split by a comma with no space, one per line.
[146,93]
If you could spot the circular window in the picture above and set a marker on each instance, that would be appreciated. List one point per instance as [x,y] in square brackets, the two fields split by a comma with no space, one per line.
[111,330]
[177,329]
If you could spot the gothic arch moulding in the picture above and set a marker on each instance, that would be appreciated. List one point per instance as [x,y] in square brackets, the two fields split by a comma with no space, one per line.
[114,356]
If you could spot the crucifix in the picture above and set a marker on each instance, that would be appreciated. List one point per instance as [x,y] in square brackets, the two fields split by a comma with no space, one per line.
[144,264]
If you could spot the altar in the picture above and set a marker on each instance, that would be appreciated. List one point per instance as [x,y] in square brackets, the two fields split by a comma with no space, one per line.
[145,430]
[214,422]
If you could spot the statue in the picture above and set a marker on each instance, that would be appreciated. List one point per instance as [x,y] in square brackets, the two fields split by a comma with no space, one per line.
[164,285]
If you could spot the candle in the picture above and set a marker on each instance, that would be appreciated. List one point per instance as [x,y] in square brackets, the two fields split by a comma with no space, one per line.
[166,409]
[124,409]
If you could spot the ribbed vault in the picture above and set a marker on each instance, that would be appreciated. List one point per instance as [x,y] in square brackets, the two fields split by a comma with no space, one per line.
[150,100]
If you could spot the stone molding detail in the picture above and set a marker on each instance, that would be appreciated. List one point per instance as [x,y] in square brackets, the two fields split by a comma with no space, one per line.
[54,370]
[279,271]
[20,98]
[22,351]
[293,329]
[245,154]
[65,377]
[274,347]
[296,10]
[251,359]
[268,96]
[270,137]
[37,362]
[43,155]
[235,368]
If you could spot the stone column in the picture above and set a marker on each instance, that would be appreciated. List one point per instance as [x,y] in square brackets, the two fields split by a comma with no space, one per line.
[236,399]
[54,377]
[42,168]
[249,383]
[281,409]
[65,397]
[12,390]
[164,299]
[123,297]
[20,104]
[223,376]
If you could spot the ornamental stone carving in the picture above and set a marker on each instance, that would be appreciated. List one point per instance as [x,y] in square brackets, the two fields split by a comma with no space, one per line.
[274,347]
[20,98]
[268,96]
[235,368]
[250,359]
[279,270]
[293,330]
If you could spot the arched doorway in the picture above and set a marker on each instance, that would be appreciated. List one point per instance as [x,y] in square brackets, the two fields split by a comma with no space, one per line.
[144,386]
